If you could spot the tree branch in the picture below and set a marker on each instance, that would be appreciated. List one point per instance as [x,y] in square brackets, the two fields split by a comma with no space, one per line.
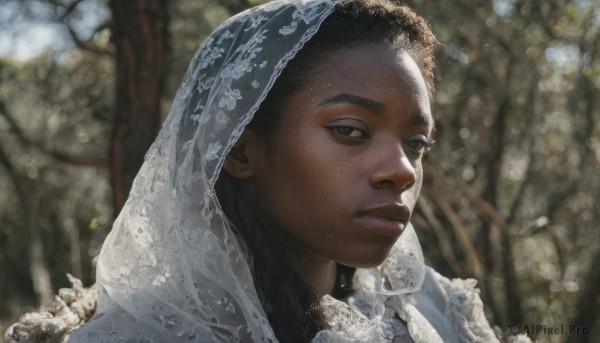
[442,237]
[61,157]
[68,9]
[40,276]
[87,45]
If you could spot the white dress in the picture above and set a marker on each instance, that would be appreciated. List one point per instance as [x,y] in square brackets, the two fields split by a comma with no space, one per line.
[441,311]
[405,301]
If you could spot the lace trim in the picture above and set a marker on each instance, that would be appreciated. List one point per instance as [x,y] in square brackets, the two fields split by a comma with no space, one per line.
[465,306]
[370,316]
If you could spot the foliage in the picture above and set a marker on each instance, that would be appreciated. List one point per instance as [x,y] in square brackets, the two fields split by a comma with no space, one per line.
[510,190]
[514,178]
[55,116]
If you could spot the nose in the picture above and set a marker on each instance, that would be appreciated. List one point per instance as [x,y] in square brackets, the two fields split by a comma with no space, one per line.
[393,169]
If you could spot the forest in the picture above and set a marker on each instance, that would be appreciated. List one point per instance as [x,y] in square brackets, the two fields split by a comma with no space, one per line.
[510,190]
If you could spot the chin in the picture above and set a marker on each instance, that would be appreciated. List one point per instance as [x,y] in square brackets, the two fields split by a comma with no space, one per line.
[367,260]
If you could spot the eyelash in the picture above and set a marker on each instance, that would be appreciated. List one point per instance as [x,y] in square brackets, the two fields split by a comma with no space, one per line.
[424,144]
[338,131]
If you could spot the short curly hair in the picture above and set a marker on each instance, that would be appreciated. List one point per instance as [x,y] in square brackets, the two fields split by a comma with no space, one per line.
[353,23]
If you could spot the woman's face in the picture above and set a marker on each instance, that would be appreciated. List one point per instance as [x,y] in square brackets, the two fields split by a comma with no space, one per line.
[341,175]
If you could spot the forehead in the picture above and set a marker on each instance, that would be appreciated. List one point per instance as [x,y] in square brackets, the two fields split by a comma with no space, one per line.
[374,71]
[375,57]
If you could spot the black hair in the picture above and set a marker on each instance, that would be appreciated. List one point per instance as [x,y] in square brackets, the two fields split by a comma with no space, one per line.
[292,308]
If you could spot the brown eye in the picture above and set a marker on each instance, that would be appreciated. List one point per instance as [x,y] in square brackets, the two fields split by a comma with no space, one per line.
[349,131]
[419,145]
[416,144]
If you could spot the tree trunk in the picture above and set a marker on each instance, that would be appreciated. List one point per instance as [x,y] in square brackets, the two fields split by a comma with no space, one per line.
[140,33]
[30,202]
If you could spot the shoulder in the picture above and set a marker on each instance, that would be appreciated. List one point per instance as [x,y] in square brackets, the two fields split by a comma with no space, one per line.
[117,325]
[464,307]
[452,307]
[104,327]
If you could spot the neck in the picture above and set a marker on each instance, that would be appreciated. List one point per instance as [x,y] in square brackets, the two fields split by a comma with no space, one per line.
[317,271]
[319,276]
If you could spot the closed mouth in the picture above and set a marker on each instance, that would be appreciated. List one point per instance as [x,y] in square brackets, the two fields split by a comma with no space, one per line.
[390,212]
[388,220]
[382,226]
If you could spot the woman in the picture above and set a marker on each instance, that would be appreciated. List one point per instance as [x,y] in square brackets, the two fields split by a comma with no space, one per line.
[274,204]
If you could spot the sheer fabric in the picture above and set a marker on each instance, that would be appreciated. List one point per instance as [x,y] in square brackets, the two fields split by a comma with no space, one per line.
[422,306]
[172,270]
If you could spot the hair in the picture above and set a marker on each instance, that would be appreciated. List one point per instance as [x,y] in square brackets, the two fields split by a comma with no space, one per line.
[292,308]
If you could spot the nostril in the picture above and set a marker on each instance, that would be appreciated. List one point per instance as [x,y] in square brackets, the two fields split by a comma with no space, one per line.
[409,185]
[385,183]
[389,183]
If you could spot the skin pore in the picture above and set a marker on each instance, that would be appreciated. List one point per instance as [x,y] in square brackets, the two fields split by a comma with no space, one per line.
[341,174]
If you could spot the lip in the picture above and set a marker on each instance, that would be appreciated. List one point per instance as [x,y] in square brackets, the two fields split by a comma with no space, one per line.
[386,220]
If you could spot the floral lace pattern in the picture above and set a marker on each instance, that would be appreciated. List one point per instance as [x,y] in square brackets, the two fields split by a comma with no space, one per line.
[171,269]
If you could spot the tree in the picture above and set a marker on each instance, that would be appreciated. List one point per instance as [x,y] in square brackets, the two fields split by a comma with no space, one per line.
[140,31]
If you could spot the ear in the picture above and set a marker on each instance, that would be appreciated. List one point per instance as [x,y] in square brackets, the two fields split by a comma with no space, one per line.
[243,157]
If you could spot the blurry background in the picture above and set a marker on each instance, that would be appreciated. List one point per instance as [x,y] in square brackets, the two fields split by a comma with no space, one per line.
[510,196]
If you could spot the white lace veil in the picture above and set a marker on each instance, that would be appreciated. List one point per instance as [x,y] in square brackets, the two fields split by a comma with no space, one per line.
[171,269]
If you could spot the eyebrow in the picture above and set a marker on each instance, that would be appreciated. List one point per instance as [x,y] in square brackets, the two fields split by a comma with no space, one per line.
[354,100]
[420,118]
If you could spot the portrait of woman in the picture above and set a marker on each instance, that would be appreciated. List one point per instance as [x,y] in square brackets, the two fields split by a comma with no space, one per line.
[275,204]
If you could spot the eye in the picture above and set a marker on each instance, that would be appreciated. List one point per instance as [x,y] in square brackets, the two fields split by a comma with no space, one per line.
[349,131]
[420,145]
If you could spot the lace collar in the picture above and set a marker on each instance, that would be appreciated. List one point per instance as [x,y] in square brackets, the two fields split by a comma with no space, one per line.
[403,270]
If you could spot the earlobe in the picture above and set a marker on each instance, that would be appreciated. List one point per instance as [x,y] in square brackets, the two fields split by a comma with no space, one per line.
[241,159]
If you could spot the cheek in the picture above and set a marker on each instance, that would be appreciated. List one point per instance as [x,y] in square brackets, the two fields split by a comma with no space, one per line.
[287,182]
[302,187]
